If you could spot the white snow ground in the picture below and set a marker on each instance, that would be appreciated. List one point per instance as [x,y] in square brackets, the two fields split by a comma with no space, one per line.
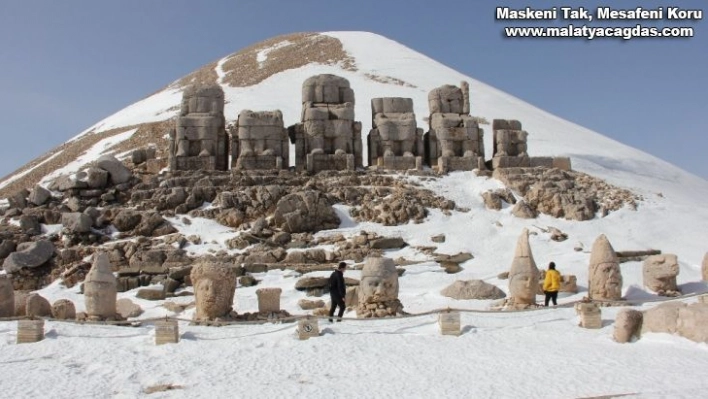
[500,355]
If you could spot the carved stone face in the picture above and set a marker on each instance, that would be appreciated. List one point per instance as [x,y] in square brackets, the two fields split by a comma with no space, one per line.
[212,300]
[606,281]
[379,281]
[214,287]
[522,287]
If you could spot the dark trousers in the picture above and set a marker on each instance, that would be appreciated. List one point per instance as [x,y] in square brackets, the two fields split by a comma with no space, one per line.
[337,301]
[551,295]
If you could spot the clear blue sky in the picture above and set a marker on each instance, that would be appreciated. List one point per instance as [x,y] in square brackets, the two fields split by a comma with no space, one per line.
[65,65]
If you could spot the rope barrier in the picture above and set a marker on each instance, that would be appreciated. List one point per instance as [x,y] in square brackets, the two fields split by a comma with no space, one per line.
[294,318]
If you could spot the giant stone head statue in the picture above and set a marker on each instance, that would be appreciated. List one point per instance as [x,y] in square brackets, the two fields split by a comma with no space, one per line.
[379,281]
[214,288]
[604,273]
[524,275]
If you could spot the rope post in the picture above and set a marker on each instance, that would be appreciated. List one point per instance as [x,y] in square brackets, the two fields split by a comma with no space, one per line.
[307,328]
[449,321]
[166,332]
[590,315]
[30,331]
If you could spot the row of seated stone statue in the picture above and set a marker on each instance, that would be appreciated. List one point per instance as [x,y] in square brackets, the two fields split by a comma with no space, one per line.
[329,138]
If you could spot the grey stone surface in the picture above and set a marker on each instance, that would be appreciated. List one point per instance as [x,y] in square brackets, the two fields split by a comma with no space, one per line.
[199,140]
[260,141]
[29,255]
[118,172]
[39,195]
[394,140]
[455,140]
[472,289]
[305,211]
[327,132]
[98,177]
[29,224]
[76,222]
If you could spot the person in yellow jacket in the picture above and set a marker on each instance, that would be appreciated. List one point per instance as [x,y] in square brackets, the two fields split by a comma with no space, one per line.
[551,284]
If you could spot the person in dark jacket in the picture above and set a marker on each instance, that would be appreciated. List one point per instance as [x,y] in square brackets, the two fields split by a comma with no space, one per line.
[337,291]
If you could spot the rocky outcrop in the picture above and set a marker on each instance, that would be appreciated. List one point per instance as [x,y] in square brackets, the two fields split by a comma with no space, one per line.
[565,194]
[493,198]
[305,211]
[118,172]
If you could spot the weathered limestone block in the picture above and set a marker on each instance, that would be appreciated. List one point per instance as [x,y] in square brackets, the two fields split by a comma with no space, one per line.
[37,306]
[76,222]
[127,308]
[449,323]
[118,172]
[100,289]
[63,309]
[166,332]
[214,289]
[29,224]
[307,328]
[260,141]
[628,325]
[395,141]
[693,322]
[30,331]
[455,140]
[29,255]
[689,321]
[199,140]
[268,300]
[306,304]
[21,303]
[39,195]
[604,272]
[472,289]
[569,283]
[378,289]
[662,318]
[523,274]
[7,297]
[659,272]
[327,138]
[98,177]
[510,141]
[590,315]
[523,210]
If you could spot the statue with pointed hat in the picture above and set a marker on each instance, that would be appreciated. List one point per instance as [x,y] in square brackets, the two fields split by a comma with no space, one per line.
[605,276]
[101,289]
[524,275]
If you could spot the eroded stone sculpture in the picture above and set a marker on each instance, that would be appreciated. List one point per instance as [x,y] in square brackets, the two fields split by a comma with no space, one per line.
[395,141]
[214,289]
[199,140]
[378,289]
[100,289]
[7,297]
[604,274]
[523,275]
[628,325]
[510,147]
[659,272]
[689,321]
[259,140]
[327,138]
[455,140]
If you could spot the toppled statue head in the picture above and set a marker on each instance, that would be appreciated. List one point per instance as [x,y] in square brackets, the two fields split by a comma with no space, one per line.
[524,275]
[214,288]
[604,273]
[379,281]
[659,272]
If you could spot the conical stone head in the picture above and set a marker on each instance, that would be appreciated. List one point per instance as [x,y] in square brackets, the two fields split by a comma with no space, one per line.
[100,288]
[604,274]
[523,275]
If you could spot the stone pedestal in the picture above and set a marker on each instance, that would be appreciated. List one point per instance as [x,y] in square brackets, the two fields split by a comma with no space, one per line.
[29,331]
[449,323]
[318,162]
[166,332]
[268,300]
[590,315]
[307,328]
